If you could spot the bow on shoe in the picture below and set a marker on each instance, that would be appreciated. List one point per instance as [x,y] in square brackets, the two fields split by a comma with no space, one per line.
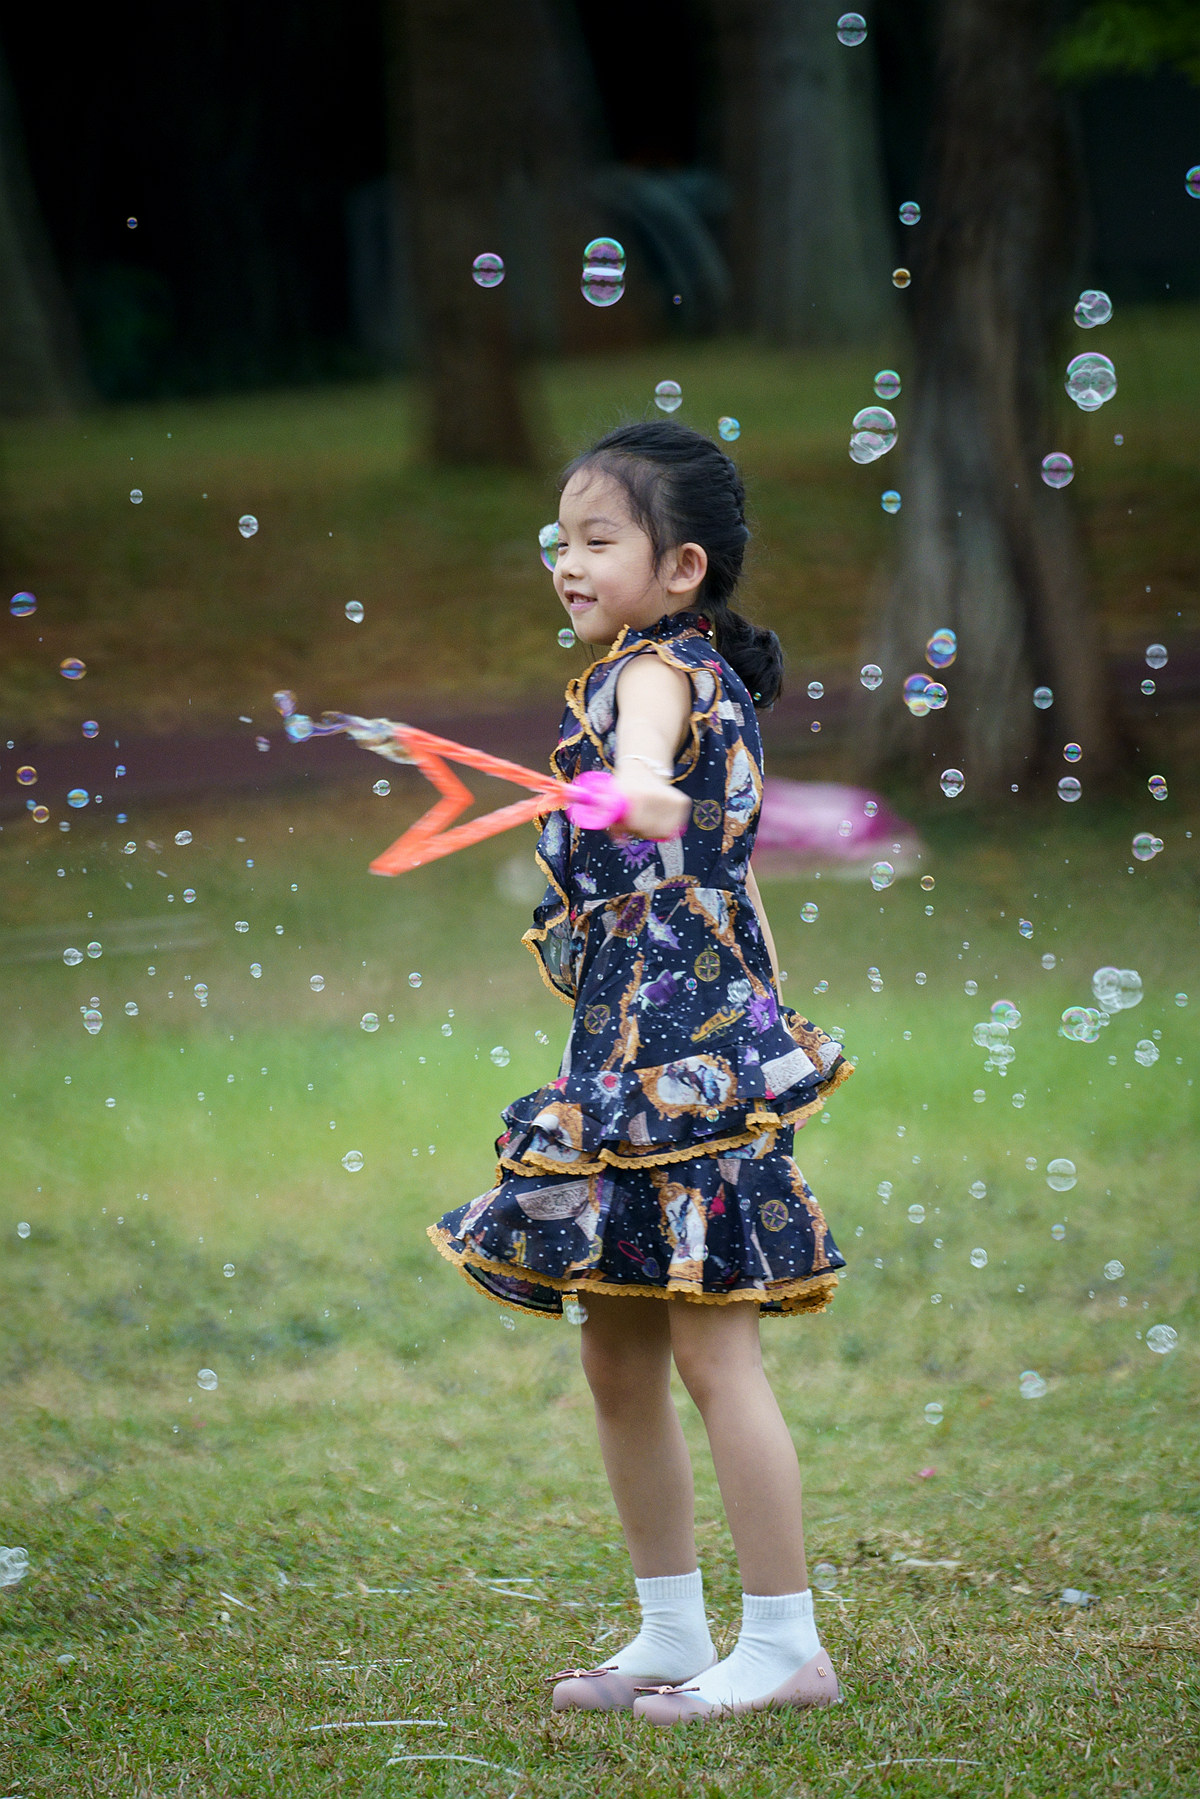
[581,1673]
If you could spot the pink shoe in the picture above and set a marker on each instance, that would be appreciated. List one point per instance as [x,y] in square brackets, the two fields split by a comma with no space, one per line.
[595,1690]
[813,1684]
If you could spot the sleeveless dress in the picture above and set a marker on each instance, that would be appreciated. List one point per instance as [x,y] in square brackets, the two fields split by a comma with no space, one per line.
[660,1160]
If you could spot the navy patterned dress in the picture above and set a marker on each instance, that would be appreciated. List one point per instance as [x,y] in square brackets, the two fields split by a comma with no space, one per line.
[660,1160]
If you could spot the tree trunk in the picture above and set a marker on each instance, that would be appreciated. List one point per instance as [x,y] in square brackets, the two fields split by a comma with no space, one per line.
[809,239]
[986,548]
[495,160]
[41,368]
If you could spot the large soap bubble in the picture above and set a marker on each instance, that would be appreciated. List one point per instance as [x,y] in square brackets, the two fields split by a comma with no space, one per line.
[1093,307]
[603,280]
[1091,380]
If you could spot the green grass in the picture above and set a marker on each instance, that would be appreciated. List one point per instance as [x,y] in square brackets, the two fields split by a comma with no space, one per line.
[181,621]
[376,1425]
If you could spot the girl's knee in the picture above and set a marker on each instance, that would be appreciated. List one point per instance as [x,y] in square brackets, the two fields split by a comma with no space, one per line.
[620,1375]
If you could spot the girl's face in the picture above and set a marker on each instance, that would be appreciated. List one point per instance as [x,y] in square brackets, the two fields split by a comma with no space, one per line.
[605,574]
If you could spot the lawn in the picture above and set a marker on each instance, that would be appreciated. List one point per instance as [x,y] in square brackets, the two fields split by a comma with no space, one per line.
[390,1507]
[183,622]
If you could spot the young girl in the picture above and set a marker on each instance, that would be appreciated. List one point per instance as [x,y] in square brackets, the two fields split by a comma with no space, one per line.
[651,1187]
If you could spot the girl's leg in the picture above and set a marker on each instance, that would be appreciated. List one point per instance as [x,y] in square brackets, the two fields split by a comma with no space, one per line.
[626,1354]
[717,1352]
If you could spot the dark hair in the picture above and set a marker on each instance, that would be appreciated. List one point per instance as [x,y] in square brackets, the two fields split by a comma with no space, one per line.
[682,489]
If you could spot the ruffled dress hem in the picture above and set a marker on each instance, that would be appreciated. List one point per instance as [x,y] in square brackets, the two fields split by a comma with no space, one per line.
[810,1293]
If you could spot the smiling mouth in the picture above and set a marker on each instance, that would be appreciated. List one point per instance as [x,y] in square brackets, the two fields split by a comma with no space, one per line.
[578,601]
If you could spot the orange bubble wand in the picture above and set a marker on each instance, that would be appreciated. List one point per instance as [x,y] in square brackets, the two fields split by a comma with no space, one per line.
[593,801]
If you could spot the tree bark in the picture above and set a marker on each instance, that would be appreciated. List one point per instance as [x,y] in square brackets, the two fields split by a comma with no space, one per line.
[495,160]
[41,367]
[809,238]
[986,548]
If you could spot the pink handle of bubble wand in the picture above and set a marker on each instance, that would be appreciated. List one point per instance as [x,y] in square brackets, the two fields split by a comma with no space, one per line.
[594,802]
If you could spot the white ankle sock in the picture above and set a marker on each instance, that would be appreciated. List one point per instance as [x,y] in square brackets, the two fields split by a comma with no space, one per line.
[674,1641]
[778,1636]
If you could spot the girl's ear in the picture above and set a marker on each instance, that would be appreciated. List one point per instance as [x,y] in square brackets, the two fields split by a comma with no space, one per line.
[691,566]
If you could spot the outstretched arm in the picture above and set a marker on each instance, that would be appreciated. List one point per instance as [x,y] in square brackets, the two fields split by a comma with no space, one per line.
[654,703]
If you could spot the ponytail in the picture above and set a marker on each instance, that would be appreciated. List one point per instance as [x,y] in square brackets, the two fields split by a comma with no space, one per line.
[682,489]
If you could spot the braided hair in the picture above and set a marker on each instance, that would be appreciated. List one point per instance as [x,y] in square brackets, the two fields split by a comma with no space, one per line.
[682,489]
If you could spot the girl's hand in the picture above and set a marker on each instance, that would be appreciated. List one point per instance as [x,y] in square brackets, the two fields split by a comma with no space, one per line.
[655,808]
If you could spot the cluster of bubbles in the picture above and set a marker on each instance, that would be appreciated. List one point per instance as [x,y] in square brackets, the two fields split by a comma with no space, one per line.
[1115,990]
[851,29]
[1146,846]
[668,396]
[1158,787]
[487,270]
[922,696]
[992,1034]
[603,280]
[1091,380]
[872,433]
[1058,470]
[1093,307]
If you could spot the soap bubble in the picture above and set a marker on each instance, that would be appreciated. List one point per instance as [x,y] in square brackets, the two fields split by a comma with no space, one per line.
[574,1310]
[603,280]
[910,213]
[94,951]
[1060,1174]
[369,1021]
[1049,960]
[201,991]
[1156,784]
[668,396]
[1181,999]
[823,1576]
[941,649]
[354,611]
[901,277]
[916,1214]
[873,433]
[1161,1339]
[1071,752]
[1031,1385]
[256,971]
[890,500]
[851,28]
[229,1271]
[928,883]
[548,544]
[916,695]
[1117,989]
[1058,1232]
[90,728]
[501,1056]
[206,1379]
[808,912]
[1004,1012]
[1091,380]
[414,980]
[936,696]
[1156,655]
[23,1230]
[979,1258]
[382,788]
[78,797]
[871,676]
[934,1412]
[1146,846]
[131,1008]
[92,1020]
[353,1160]
[1113,1270]
[22,604]
[882,875]
[247,524]
[729,429]
[1192,181]
[566,638]
[887,384]
[72,957]
[884,1190]
[1058,470]
[952,783]
[317,982]
[1069,789]
[1043,698]
[1025,927]
[1093,307]
[27,776]
[14,1566]
[816,690]
[1080,1024]
[284,702]
[72,669]
[487,270]
[1146,1052]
